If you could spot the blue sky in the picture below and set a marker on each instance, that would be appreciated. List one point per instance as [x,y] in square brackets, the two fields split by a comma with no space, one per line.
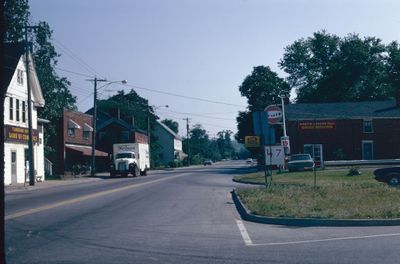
[202,48]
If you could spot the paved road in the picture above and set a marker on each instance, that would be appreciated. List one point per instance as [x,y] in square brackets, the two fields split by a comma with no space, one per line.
[181,216]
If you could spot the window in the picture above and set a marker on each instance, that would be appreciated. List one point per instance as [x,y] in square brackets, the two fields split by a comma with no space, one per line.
[11,108]
[124,136]
[86,134]
[71,132]
[17,109]
[367,126]
[23,111]
[20,77]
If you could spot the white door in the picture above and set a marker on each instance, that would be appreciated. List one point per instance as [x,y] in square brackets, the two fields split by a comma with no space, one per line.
[14,179]
[315,150]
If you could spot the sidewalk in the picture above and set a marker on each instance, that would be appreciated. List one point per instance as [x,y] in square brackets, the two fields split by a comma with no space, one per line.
[51,183]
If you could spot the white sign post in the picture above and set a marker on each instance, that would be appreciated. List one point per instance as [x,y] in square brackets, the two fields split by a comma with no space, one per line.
[275,155]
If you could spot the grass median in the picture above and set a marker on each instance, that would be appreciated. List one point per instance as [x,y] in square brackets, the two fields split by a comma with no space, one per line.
[336,196]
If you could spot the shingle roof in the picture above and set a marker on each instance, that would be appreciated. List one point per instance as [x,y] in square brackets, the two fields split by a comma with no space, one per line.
[344,110]
[176,136]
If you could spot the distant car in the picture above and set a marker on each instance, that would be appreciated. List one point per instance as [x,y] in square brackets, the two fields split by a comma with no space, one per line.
[207,162]
[249,161]
[390,175]
[300,162]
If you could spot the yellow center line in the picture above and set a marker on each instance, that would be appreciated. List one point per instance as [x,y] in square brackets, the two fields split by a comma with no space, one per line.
[85,197]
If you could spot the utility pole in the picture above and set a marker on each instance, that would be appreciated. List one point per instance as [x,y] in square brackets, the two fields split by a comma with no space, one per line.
[29,91]
[187,138]
[95,80]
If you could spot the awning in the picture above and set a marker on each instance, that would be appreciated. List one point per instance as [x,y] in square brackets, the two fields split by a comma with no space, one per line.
[73,124]
[87,151]
[86,127]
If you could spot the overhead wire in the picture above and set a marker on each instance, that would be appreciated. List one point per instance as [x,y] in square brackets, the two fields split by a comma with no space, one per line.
[76,58]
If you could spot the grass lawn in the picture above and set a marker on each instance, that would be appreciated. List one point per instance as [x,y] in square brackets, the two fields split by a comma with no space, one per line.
[336,196]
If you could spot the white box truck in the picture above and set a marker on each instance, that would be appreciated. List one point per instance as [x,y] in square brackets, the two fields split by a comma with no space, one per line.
[130,158]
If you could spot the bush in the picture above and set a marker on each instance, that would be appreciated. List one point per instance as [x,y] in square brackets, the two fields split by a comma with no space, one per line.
[175,164]
[354,171]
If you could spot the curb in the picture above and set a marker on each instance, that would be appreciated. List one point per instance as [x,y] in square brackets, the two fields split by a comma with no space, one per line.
[247,182]
[248,216]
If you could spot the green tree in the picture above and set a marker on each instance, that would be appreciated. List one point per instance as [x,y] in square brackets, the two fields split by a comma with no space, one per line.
[224,143]
[173,125]
[16,16]
[132,105]
[393,67]
[55,89]
[326,68]
[261,88]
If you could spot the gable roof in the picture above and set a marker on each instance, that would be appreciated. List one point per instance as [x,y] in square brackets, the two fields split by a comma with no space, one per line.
[104,119]
[12,55]
[343,110]
[169,130]
[13,52]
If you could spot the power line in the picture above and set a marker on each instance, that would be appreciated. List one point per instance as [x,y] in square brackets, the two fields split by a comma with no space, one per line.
[76,58]
[73,72]
[198,115]
[185,96]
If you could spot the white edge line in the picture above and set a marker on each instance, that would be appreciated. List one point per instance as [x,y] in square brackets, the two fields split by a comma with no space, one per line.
[244,233]
[325,240]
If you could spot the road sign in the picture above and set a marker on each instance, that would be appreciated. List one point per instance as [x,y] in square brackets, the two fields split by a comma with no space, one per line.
[274,155]
[252,141]
[274,114]
[285,144]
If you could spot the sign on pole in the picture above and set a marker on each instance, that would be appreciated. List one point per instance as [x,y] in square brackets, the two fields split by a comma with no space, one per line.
[274,114]
[274,155]
[252,141]
[285,144]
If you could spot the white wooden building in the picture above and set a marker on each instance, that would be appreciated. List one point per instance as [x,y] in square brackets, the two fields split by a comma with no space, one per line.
[16,117]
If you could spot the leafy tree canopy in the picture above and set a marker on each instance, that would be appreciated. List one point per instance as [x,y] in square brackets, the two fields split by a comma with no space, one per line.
[261,88]
[326,68]
[55,89]
[173,125]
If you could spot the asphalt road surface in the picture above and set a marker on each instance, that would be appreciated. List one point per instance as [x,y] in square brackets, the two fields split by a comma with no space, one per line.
[181,216]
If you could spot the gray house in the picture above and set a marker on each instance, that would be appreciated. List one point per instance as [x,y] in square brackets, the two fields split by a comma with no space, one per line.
[171,144]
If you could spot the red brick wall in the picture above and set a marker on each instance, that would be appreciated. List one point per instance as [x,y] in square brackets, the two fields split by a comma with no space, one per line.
[80,119]
[140,138]
[348,135]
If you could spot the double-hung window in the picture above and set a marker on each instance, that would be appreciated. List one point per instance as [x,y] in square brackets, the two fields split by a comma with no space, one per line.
[17,109]
[11,108]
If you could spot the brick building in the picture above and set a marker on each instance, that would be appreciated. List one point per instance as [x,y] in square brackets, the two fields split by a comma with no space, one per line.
[112,129]
[75,146]
[345,131]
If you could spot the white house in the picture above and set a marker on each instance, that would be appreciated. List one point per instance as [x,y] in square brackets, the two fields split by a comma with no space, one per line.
[16,116]
[171,144]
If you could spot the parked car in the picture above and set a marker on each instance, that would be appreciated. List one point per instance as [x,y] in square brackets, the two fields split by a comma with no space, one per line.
[390,175]
[249,161]
[207,162]
[300,162]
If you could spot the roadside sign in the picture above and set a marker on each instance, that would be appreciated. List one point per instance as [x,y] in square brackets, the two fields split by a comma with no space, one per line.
[252,141]
[274,114]
[274,155]
[285,144]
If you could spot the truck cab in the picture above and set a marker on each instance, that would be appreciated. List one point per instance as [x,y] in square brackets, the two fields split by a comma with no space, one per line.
[130,158]
[124,163]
